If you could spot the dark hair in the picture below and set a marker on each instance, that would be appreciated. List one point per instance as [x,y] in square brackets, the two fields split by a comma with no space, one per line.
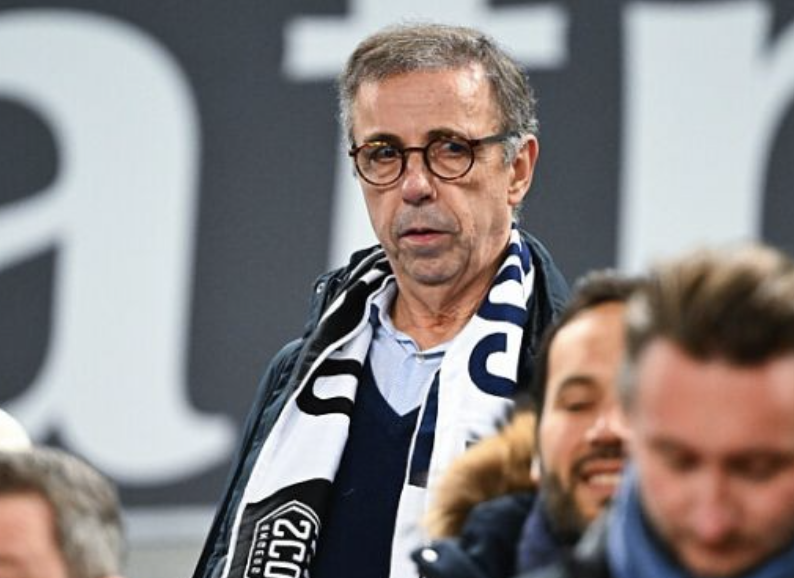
[593,289]
[735,303]
[84,503]
[419,47]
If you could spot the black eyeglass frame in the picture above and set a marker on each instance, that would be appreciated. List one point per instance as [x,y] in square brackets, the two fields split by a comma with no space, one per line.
[471,143]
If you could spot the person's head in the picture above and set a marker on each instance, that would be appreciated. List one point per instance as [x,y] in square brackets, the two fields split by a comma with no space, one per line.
[59,518]
[581,435]
[13,436]
[443,216]
[708,390]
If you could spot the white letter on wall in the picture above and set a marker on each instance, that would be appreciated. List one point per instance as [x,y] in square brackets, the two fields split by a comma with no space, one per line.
[120,215]
[705,91]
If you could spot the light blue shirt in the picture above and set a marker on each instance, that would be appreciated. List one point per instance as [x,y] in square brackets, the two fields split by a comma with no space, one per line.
[402,371]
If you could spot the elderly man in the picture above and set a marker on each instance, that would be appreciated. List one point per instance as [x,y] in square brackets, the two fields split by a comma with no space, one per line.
[581,441]
[709,395]
[413,351]
[59,518]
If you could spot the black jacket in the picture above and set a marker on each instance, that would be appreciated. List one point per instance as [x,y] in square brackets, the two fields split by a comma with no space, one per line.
[280,380]
[489,545]
[486,547]
[588,559]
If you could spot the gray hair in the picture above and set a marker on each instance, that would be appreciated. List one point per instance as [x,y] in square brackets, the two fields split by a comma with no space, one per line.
[422,47]
[85,506]
[734,303]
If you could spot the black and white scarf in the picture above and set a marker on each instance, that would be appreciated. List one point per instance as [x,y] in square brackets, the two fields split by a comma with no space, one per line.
[279,519]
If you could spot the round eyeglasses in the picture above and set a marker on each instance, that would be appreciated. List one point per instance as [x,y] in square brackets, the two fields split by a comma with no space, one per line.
[447,157]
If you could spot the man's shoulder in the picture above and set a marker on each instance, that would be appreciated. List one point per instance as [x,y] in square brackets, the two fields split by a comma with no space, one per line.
[505,510]
[537,247]
[550,278]
[485,547]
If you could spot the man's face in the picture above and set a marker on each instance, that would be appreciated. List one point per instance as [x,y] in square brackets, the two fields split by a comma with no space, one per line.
[438,232]
[581,430]
[714,448]
[28,548]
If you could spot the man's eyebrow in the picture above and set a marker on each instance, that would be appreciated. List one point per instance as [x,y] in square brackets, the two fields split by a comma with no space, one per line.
[443,131]
[580,380]
[782,455]
[429,135]
[383,137]
[666,443]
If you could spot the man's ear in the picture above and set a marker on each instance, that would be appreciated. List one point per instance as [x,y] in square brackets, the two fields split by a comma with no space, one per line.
[522,168]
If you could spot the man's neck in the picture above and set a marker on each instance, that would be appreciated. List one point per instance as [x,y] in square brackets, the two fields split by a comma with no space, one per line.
[433,315]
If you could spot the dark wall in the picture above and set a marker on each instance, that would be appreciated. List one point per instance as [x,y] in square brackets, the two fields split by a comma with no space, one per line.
[85,220]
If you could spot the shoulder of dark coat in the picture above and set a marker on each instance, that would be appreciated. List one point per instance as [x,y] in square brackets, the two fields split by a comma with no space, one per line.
[549,297]
[548,276]
[277,371]
[506,512]
[490,528]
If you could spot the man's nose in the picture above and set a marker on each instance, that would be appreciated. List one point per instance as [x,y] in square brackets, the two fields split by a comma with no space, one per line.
[713,515]
[608,427]
[417,184]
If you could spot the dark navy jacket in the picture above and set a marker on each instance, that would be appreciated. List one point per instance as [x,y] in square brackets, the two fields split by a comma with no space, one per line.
[279,381]
[501,537]
[587,560]
[486,546]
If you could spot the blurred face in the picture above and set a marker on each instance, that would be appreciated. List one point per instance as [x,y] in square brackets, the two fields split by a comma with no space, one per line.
[28,548]
[714,447]
[438,232]
[582,434]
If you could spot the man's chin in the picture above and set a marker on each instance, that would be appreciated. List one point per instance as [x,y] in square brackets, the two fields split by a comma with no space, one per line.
[431,270]
[564,507]
[589,507]
[718,564]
